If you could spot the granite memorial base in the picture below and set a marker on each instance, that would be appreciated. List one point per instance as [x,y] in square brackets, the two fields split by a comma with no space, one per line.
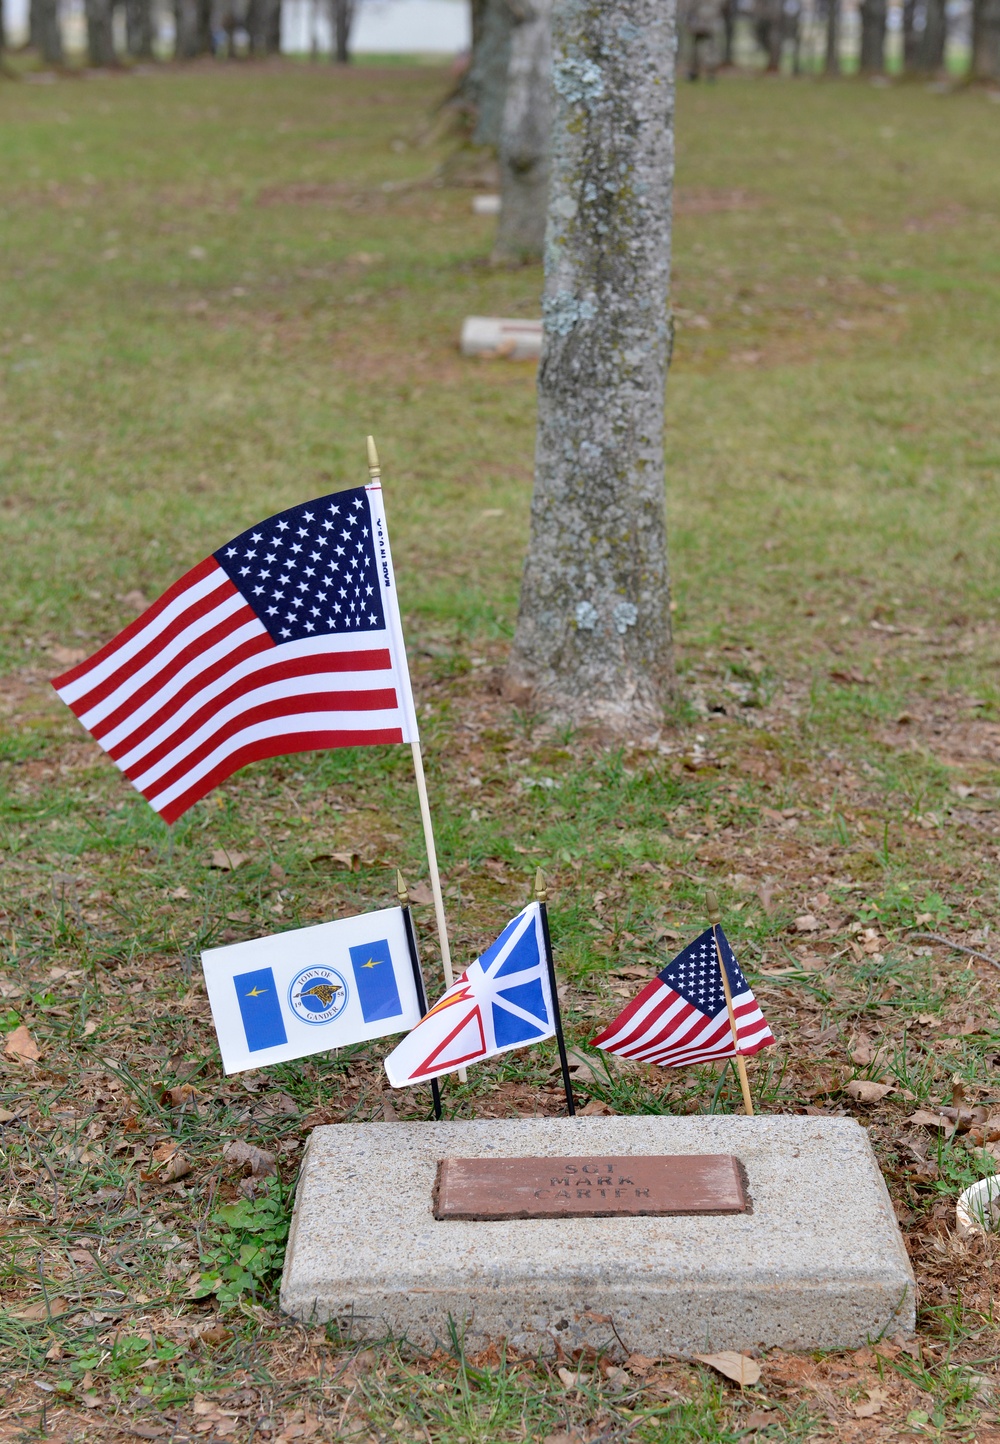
[791,1242]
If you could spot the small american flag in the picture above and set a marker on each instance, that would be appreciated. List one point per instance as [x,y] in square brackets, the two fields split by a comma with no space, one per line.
[680,1018]
[287,639]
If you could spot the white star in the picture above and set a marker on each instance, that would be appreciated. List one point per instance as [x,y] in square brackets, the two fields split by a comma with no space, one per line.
[315,557]
[336,607]
[258,591]
[321,596]
[251,554]
[321,541]
[314,611]
[285,632]
[310,626]
[368,591]
[296,547]
[342,592]
[277,596]
[244,571]
[346,535]
[272,611]
[269,557]
[339,551]
[364,531]
[230,551]
[290,618]
[328,526]
[334,510]
[297,602]
[256,537]
[308,515]
[310,571]
[303,531]
[283,581]
[374,621]
[283,525]
[303,586]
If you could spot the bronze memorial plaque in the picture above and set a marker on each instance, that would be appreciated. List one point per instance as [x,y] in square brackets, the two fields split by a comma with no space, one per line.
[490,1189]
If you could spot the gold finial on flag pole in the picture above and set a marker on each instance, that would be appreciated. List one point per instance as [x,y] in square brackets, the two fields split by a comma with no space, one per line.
[714,919]
[541,887]
[402,891]
[374,470]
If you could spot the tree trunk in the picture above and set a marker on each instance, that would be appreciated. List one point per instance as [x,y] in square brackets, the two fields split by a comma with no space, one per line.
[935,36]
[46,31]
[139,28]
[204,38]
[832,62]
[256,27]
[729,14]
[986,40]
[100,36]
[525,137]
[274,27]
[911,37]
[343,17]
[593,632]
[874,14]
[486,86]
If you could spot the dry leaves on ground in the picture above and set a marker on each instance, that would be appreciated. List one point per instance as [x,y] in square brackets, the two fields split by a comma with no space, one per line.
[254,1162]
[739,1367]
[21,1046]
[226,860]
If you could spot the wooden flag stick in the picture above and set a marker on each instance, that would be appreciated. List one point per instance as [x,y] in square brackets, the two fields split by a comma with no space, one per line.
[541,895]
[403,893]
[375,472]
[712,903]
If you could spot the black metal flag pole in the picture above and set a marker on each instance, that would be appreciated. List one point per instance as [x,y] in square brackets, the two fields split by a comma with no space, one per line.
[402,893]
[541,895]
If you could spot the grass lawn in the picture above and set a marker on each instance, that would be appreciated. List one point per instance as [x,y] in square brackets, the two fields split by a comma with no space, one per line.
[215,282]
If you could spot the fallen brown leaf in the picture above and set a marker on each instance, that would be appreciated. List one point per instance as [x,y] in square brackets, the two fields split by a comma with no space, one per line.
[421,894]
[595,1109]
[226,860]
[177,1097]
[255,1162]
[865,1091]
[41,1310]
[739,1367]
[807,924]
[21,1046]
[177,1167]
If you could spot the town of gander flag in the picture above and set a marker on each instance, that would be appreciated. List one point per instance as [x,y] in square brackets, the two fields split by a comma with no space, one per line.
[501,1001]
[680,1018]
[287,639]
[311,989]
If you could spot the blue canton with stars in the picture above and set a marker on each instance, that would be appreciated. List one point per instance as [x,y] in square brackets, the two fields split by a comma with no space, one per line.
[310,571]
[694,974]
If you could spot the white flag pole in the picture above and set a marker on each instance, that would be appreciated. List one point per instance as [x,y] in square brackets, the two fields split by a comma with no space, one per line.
[375,472]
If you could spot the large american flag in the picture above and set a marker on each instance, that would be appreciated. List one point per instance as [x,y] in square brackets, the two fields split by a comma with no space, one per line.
[681,1018]
[286,639]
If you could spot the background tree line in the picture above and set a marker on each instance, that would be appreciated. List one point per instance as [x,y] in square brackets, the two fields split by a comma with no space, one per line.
[872,37]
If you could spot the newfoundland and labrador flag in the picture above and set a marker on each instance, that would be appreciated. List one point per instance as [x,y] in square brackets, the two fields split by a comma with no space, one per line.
[501,1001]
[311,989]
[286,639]
[681,1018]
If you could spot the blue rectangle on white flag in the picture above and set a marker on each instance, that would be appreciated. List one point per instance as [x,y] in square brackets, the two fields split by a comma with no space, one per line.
[373,973]
[260,1009]
[311,989]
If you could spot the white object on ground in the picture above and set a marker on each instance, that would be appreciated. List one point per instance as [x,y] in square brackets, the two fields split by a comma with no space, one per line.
[978,1208]
[485,205]
[514,340]
[819,1262]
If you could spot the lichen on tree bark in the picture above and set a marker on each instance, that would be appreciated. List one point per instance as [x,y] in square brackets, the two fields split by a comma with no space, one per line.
[593,633]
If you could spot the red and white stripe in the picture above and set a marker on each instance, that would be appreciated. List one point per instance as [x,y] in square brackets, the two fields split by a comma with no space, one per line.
[660,1026]
[195,688]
